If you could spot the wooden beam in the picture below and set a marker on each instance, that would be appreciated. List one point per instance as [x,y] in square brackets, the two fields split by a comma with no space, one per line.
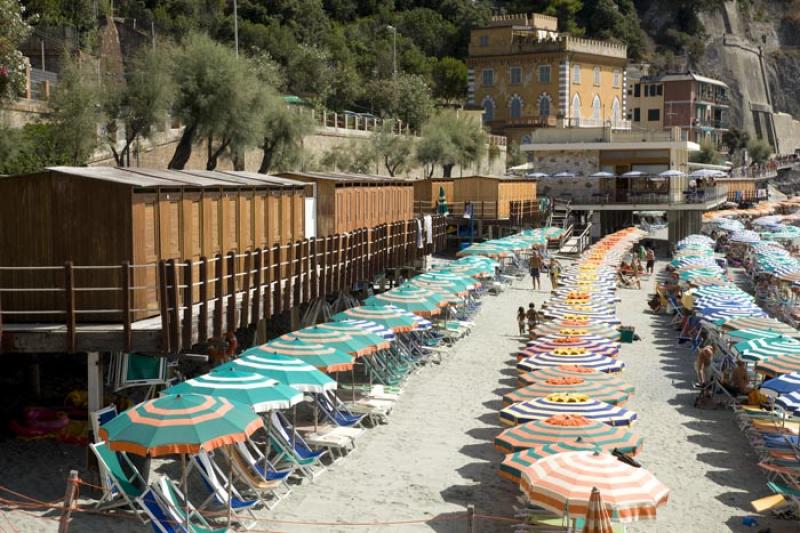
[163,303]
[202,326]
[174,307]
[277,306]
[230,323]
[188,303]
[255,316]
[219,294]
[244,314]
[69,305]
[313,269]
[126,305]
[306,270]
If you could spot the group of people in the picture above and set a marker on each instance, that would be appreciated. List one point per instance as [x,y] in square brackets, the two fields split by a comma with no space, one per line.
[630,269]
[536,264]
[529,318]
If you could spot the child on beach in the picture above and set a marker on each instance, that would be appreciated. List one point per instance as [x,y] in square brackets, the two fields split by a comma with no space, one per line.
[521,320]
[531,316]
[650,257]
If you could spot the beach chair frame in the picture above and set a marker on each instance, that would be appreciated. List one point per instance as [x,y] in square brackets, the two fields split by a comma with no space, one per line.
[116,496]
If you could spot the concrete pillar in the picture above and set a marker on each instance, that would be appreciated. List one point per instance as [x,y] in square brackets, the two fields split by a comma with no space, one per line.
[94,382]
[683,223]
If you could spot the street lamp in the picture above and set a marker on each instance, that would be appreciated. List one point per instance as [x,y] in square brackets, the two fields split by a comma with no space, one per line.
[394,49]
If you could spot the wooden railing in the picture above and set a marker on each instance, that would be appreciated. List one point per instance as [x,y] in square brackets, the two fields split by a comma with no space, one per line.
[519,211]
[194,301]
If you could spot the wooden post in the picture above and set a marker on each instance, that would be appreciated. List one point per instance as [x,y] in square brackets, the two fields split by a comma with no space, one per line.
[219,293]
[471,520]
[69,501]
[322,249]
[163,304]
[313,268]
[306,270]
[230,324]
[188,303]
[126,306]
[339,263]
[278,290]
[297,270]
[69,303]
[94,382]
[255,315]
[244,315]
[174,305]
[268,271]
[202,320]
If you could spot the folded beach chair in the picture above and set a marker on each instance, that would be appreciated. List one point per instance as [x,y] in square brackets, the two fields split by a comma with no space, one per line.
[167,508]
[218,490]
[122,486]
[292,449]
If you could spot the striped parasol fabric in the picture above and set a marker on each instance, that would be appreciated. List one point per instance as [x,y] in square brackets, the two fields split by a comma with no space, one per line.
[783,384]
[559,404]
[587,359]
[767,323]
[179,423]
[723,314]
[337,340]
[563,483]
[422,302]
[422,323]
[323,357]
[593,389]
[789,402]
[739,335]
[583,317]
[762,349]
[380,314]
[590,343]
[780,364]
[287,370]
[370,327]
[256,391]
[589,374]
[569,329]
[375,340]
[597,518]
[514,463]
[570,428]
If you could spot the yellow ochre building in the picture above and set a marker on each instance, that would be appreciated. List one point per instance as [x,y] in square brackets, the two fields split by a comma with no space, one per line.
[526,75]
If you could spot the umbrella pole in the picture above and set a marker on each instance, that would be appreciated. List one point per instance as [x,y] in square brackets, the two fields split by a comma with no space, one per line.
[315,416]
[294,428]
[230,485]
[353,382]
[184,482]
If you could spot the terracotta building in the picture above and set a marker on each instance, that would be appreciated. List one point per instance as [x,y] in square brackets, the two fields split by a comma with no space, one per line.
[526,75]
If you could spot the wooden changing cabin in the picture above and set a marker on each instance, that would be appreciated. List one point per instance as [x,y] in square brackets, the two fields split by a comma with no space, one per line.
[494,197]
[426,194]
[346,202]
[102,216]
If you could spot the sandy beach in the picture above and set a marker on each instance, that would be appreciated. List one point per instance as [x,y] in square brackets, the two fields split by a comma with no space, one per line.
[436,455]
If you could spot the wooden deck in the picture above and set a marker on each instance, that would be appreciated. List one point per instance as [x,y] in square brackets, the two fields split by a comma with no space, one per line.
[240,291]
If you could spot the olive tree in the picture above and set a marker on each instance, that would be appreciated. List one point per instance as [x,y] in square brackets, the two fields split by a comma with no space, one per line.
[450,139]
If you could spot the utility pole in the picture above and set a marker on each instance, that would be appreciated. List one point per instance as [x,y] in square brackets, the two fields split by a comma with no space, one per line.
[236,27]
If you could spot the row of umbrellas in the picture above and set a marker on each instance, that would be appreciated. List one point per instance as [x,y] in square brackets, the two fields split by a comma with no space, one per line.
[701,173]
[513,244]
[567,414]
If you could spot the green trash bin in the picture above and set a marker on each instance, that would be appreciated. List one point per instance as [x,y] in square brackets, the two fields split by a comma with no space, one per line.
[626,334]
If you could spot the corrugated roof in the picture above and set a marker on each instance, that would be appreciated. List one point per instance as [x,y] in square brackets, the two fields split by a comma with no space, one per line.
[149,177]
[345,177]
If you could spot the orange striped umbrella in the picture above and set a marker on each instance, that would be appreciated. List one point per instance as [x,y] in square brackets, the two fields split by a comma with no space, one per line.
[780,364]
[563,483]
[597,518]
[593,389]
[571,428]
[588,374]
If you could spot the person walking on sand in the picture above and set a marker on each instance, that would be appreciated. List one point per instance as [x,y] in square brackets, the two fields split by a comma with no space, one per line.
[555,272]
[531,316]
[521,320]
[650,257]
[536,268]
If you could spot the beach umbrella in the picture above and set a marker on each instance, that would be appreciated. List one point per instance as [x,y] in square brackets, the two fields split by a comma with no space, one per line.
[602,174]
[593,389]
[488,250]
[750,334]
[588,374]
[571,428]
[287,370]
[514,463]
[256,391]
[382,315]
[560,404]
[445,277]
[337,340]
[179,423]
[783,384]
[671,174]
[422,322]
[633,174]
[563,174]
[745,237]
[722,314]
[761,323]
[590,343]
[597,518]
[587,359]
[563,484]
[583,317]
[375,340]
[780,364]
[447,288]
[571,329]
[423,303]
[370,327]
[325,358]
[441,204]
[789,402]
[762,349]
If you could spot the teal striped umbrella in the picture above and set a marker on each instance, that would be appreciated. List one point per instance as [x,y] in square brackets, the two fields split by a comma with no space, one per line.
[762,349]
[393,319]
[325,358]
[422,302]
[357,331]
[338,340]
[287,370]
[259,392]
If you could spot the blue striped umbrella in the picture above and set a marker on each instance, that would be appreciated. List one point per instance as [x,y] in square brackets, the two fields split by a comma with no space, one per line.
[561,404]
[789,402]
[597,362]
[783,384]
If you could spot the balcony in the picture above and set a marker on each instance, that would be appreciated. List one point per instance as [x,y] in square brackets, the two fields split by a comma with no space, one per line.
[605,135]
[532,122]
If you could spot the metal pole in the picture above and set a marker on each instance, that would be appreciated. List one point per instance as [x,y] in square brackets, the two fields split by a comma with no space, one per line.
[236,27]
[43,65]
[394,52]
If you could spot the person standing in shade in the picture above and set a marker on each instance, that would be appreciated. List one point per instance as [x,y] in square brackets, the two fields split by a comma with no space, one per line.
[536,269]
[555,271]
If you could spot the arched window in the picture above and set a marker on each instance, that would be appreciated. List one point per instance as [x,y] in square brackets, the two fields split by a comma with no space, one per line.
[488,110]
[596,108]
[515,107]
[526,139]
[544,106]
[576,110]
[616,113]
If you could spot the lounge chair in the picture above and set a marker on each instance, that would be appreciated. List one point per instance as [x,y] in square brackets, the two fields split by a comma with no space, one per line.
[292,448]
[259,477]
[219,490]
[167,508]
[123,490]
[336,412]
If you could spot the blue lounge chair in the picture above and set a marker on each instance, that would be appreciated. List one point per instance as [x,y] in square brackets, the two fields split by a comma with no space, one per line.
[292,448]
[210,474]
[167,509]
[336,412]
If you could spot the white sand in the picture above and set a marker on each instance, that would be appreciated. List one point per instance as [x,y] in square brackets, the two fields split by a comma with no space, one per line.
[436,454]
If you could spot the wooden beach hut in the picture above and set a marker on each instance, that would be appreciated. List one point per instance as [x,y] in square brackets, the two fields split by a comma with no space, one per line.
[494,197]
[346,202]
[426,193]
[94,217]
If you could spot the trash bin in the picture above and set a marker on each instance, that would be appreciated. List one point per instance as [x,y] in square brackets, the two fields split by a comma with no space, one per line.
[626,334]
